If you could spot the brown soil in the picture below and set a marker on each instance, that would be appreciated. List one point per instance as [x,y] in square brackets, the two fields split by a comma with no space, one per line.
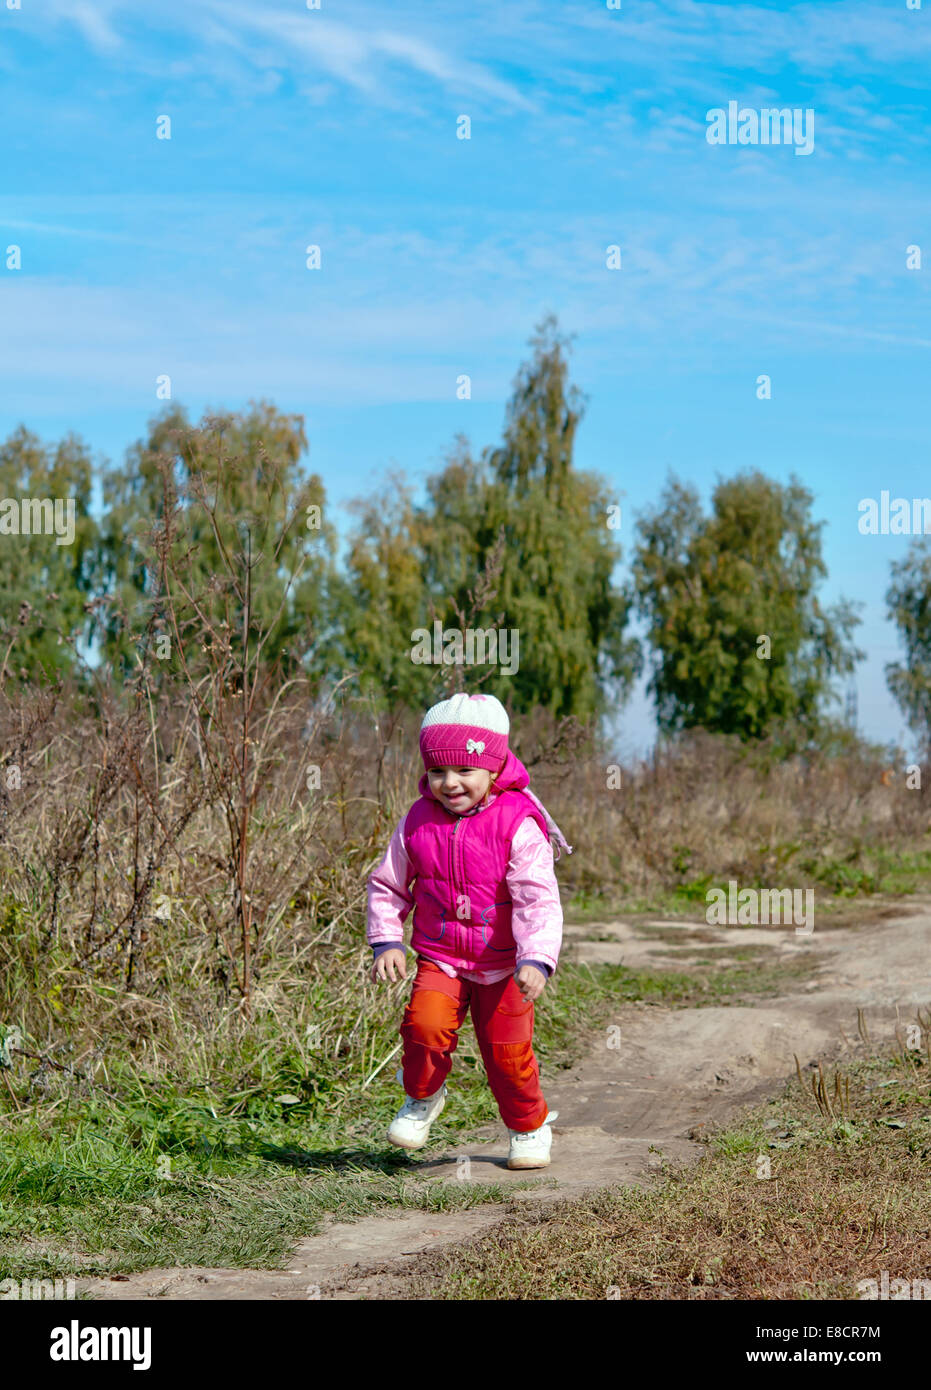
[639,1096]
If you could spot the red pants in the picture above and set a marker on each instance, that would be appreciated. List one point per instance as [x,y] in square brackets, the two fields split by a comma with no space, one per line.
[503,1022]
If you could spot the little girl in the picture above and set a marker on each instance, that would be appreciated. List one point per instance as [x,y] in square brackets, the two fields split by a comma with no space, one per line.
[474,860]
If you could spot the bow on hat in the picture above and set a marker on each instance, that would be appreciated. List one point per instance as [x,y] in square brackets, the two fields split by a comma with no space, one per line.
[473,747]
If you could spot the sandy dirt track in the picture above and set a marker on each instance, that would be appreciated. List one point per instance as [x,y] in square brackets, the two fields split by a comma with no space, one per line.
[624,1107]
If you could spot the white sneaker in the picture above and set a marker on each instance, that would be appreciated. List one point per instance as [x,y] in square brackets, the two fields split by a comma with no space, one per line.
[531,1149]
[410,1128]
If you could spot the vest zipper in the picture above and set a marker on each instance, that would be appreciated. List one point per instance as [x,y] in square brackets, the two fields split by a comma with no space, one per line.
[460,937]
[452,853]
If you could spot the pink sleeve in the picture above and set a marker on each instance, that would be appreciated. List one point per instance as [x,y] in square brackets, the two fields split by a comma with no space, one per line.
[536,919]
[389,898]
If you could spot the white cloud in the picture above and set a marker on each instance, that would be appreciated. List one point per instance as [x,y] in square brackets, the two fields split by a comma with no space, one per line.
[93,20]
[59,229]
[569,55]
[357,53]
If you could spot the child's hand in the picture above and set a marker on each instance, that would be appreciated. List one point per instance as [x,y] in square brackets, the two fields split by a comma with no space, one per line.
[387,965]
[530,981]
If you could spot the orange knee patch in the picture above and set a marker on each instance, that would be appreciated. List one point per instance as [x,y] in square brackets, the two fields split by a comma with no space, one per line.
[507,1025]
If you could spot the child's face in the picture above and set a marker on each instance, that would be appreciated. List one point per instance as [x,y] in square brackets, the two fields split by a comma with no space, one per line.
[459,788]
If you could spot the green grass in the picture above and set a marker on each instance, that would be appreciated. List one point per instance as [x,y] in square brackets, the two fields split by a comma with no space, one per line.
[757,974]
[845,1198]
[872,871]
[222,1170]
[230,1158]
[865,871]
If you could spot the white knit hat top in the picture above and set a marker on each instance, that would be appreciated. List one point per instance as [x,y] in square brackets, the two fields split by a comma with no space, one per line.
[483,711]
[465,731]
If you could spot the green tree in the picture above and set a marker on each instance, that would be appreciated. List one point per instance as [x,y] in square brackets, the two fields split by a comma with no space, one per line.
[556,584]
[908,600]
[380,600]
[240,481]
[515,540]
[740,642]
[45,585]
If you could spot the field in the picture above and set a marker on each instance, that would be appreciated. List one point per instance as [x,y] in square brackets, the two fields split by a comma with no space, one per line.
[198,1070]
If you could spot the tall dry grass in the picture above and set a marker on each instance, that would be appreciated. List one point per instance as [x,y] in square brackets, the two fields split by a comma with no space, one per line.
[118,901]
[711,807]
[184,858]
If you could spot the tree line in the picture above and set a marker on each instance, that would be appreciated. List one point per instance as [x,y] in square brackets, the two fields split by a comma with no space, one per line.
[219,528]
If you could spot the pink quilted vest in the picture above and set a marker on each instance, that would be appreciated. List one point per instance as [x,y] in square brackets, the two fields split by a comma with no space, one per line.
[462,909]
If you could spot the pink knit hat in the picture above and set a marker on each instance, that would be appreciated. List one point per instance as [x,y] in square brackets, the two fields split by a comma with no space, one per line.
[465,731]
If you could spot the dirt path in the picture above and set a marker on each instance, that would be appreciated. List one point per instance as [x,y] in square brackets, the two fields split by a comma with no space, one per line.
[638,1097]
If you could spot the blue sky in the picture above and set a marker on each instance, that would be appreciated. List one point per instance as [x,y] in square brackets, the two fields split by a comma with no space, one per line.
[337,127]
